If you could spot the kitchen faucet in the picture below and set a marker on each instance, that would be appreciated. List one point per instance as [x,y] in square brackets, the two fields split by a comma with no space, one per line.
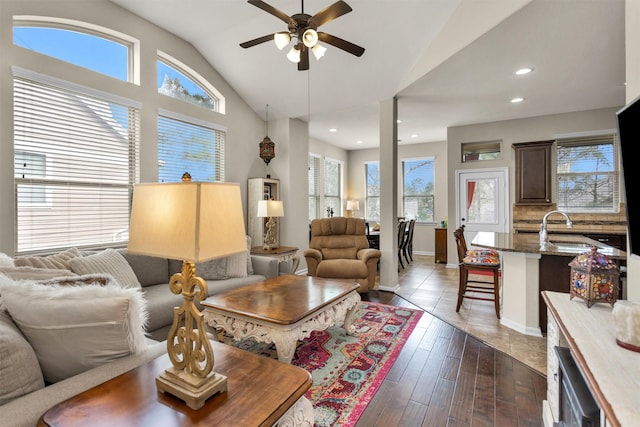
[544,237]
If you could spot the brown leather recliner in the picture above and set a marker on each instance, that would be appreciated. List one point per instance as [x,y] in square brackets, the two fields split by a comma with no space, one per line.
[339,249]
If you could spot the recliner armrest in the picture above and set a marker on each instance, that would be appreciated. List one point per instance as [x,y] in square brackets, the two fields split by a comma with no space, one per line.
[313,253]
[367,254]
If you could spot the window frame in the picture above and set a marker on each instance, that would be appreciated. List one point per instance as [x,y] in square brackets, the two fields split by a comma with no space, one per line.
[426,195]
[604,138]
[315,169]
[368,202]
[328,198]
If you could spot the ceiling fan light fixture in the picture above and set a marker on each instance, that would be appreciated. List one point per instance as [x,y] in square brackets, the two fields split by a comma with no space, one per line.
[310,37]
[294,54]
[318,51]
[281,39]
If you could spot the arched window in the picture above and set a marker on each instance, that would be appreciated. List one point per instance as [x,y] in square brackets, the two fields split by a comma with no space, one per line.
[179,81]
[88,46]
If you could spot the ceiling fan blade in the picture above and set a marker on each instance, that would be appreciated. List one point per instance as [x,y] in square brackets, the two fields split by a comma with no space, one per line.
[353,49]
[330,13]
[303,65]
[259,40]
[272,10]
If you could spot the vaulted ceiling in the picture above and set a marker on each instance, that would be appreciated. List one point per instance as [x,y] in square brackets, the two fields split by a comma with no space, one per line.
[449,62]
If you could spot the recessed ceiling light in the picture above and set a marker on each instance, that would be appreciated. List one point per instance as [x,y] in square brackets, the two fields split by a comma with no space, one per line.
[333,130]
[398,121]
[359,141]
[415,135]
[525,70]
[517,99]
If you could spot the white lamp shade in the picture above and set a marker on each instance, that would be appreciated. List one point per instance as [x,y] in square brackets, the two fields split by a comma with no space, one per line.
[191,221]
[318,50]
[270,208]
[281,40]
[353,205]
[293,55]
[310,37]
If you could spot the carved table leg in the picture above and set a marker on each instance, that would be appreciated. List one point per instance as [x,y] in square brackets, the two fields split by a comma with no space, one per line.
[348,319]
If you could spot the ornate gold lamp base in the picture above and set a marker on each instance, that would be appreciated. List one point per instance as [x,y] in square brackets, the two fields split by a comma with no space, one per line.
[270,241]
[193,391]
[191,378]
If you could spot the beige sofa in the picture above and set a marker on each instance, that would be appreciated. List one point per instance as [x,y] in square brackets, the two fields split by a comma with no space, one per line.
[25,392]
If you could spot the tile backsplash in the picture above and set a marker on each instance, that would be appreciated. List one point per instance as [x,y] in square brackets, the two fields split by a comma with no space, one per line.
[527,218]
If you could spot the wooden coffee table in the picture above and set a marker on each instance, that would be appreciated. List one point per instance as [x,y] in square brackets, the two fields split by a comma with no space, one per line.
[260,392]
[283,310]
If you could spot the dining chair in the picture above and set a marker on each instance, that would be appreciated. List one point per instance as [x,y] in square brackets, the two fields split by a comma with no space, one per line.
[408,246]
[402,240]
[478,261]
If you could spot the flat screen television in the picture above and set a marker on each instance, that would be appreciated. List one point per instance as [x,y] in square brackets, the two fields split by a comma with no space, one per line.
[629,134]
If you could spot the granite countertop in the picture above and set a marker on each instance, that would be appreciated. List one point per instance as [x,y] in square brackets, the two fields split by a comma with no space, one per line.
[561,244]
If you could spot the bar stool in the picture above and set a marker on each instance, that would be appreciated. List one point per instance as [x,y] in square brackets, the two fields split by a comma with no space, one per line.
[479,260]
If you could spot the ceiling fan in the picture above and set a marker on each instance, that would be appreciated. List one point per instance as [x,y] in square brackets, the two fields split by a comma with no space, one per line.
[304,27]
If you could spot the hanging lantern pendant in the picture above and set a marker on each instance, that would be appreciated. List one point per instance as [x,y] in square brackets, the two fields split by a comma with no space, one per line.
[267,146]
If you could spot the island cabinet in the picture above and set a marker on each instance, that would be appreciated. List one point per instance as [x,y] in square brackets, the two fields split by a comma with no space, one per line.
[603,370]
[533,172]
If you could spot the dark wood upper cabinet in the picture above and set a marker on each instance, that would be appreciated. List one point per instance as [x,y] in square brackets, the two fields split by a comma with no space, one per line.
[533,172]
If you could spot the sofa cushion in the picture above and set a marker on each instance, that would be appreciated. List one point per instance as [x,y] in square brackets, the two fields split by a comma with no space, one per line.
[149,270]
[75,328]
[59,260]
[19,368]
[215,269]
[109,262]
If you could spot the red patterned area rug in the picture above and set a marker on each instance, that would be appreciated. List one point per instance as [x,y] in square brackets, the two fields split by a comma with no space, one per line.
[347,370]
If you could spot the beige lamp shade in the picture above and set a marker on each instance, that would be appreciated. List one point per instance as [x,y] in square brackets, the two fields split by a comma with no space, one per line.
[190,221]
[270,208]
[353,205]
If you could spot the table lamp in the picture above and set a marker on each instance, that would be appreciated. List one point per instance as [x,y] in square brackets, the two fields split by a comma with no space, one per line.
[192,222]
[352,205]
[270,209]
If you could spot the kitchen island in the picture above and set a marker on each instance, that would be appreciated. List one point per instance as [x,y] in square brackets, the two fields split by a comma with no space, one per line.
[528,269]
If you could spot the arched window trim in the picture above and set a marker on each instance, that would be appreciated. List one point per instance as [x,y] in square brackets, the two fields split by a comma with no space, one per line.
[197,78]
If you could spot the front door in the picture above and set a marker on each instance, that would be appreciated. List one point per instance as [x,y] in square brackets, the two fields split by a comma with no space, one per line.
[483,199]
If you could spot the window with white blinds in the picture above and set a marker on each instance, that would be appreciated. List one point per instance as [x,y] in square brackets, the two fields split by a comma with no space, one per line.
[588,174]
[189,145]
[332,187]
[314,196]
[372,177]
[76,161]
[418,189]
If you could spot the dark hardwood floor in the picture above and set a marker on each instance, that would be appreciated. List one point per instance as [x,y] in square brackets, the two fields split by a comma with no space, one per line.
[445,377]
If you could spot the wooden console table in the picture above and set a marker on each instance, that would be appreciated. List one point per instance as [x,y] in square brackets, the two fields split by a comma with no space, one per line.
[282,253]
[611,372]
[260,392]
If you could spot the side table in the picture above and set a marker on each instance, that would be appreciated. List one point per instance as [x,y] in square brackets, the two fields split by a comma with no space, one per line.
[262,392]
[283,253]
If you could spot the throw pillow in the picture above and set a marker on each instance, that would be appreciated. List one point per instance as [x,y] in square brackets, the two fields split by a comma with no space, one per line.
[5,260]
[19,368]
[75,328]
[34,273]
[59,260]
[215,269]
[109,262]
[237,264]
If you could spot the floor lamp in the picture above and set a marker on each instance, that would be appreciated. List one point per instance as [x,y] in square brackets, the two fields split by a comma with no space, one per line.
[192,222]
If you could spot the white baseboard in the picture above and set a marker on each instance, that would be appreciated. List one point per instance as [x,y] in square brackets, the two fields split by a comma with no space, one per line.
[389,288]
[527,330]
